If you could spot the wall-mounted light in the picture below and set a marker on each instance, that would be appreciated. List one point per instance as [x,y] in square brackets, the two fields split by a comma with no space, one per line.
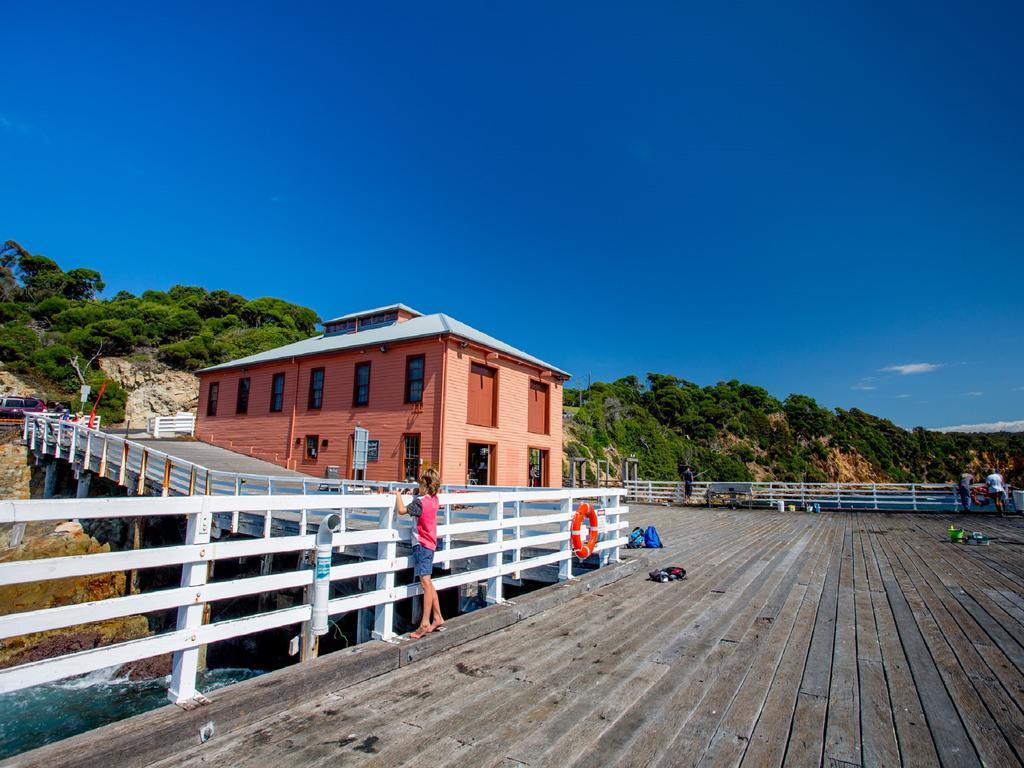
[463,345]
[383,348]
[298,441]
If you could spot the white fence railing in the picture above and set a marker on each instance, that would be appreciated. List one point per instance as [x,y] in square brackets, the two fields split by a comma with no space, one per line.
[140,467]
[168,426]
[913,497]
[505,533]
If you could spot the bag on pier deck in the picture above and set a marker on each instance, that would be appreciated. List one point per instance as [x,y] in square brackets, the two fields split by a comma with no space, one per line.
[651,538]
[636,539]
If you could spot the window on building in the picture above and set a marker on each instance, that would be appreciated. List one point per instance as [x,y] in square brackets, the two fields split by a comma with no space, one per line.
[361,390]
[414,366]
[211,399]
[242,403]
[537,411]
[378,321]
[312,447]
[483,401]
[333,329]
[538,467]
[277,393]
[411,458]
[316,388]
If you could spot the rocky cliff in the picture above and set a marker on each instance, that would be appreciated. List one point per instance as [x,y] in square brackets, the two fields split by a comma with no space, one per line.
[154,389]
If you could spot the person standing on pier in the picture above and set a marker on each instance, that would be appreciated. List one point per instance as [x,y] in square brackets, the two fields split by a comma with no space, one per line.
[424,543]
[687,483]
[966,480]
[996,490]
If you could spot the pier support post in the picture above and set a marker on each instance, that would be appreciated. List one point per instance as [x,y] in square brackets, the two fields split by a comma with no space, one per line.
[494,559]
[565,566]
[84,481]
[50,479]
[185,663]
[384,613]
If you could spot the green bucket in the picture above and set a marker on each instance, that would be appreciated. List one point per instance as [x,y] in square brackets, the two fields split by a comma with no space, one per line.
[956,535]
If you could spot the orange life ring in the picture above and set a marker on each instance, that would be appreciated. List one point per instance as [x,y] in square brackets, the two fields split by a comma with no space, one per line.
[581,550]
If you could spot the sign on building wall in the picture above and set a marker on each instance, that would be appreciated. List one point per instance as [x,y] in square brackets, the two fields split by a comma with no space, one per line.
[372,450]
[360,448]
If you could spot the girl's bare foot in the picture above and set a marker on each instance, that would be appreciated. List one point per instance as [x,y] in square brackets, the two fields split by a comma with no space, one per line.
[436,625]
[423,630]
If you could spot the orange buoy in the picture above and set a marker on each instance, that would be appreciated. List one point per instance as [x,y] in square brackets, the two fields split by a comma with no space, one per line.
[581,550]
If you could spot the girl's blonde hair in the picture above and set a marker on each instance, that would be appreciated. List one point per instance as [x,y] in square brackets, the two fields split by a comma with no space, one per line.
[430,482]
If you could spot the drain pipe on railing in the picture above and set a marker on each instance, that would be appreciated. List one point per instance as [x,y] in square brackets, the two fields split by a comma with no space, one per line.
[329,526]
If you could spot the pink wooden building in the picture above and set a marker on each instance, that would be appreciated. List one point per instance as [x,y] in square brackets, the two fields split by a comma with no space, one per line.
[429,389]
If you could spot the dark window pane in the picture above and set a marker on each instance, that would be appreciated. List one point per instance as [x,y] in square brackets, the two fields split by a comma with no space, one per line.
[412,458]
[316,388]
[277,393]
[414,379]
[361,392]
[312,446]
[242,404]
[211,400]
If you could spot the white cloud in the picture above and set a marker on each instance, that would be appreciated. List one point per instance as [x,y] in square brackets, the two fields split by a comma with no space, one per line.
[863,385]
[974,394]
[902,397]
[993,426]
[908,368]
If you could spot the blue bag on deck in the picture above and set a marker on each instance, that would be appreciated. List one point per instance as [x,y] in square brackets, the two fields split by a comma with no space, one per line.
[651,538]
[636,539]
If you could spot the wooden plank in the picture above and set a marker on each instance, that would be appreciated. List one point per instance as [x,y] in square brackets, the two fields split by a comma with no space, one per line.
[733,735]
[842,729]
[877,729]
[767,744]
[806,739]
[952,744]
[917,750]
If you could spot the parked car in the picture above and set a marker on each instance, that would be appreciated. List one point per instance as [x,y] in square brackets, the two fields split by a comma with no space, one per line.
[16,407]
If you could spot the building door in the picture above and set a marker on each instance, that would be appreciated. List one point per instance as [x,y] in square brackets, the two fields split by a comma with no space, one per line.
[538,461]
[480,464]
[410,458]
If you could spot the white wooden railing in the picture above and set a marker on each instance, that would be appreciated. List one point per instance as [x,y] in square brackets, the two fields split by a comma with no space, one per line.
[140,467]
[515,532]
[179,424]
[913,497]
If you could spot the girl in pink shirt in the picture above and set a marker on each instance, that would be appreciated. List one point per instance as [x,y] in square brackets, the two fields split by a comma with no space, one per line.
[424,542]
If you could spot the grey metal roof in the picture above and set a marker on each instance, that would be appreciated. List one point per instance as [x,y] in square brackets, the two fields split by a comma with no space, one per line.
[417,327]
[388,308]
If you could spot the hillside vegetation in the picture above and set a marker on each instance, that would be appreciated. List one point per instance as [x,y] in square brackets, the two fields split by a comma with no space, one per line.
[54,327]
[734,431]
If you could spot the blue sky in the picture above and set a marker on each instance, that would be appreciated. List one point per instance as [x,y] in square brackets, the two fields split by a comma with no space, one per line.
[797,196]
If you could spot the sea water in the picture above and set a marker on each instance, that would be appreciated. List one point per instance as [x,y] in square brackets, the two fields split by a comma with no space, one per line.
[45,713]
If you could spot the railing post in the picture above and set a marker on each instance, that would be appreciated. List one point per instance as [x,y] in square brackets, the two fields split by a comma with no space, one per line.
[913,496]
[384,613]
[565,546]
[185,663]
[839,495]
[495,559]
[874,494]
[517,552]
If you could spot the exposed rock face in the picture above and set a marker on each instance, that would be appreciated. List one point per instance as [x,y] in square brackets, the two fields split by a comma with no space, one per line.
[15,384]
[68,540]
[15,467]
[850,467]
[153,388]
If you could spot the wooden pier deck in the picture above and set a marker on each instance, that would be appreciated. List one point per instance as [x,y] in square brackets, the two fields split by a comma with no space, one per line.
[835,639]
